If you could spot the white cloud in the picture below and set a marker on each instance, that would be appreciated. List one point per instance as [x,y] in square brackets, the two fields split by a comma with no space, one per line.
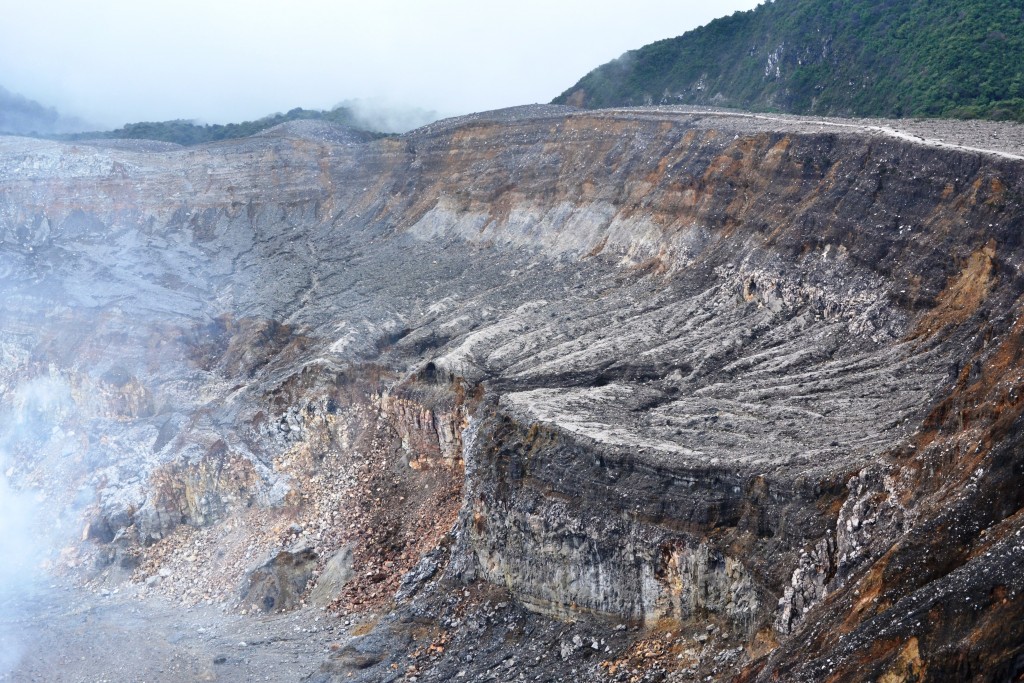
[115,61]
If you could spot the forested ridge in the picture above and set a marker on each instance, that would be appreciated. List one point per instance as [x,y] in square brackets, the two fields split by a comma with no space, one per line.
[933,58]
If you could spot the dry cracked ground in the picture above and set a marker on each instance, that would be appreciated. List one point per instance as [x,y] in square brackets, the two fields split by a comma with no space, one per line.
[540,394]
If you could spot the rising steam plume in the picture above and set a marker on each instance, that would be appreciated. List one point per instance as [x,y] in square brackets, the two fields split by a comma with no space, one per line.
[31,532]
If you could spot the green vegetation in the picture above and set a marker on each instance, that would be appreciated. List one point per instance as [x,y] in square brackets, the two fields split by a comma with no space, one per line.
[191,133]
[930,58]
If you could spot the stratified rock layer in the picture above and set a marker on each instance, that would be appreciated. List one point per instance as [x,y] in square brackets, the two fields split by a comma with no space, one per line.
[655,368]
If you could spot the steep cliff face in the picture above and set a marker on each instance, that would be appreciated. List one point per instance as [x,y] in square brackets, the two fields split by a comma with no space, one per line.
[663,369]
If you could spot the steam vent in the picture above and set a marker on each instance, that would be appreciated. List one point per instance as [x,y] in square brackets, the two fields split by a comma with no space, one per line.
[539,394]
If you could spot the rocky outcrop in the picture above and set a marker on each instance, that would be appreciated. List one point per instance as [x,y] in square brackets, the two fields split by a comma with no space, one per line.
[279,583]
[429,438]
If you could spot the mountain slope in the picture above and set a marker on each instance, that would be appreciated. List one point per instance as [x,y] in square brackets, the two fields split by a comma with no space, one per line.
[184,132]
[22,116]
[960,58]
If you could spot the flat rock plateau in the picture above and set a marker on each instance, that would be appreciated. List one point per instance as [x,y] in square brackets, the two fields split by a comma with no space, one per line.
[539,394]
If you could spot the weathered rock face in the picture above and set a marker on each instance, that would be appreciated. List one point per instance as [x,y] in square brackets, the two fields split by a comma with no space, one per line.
[280,582]
[651,367]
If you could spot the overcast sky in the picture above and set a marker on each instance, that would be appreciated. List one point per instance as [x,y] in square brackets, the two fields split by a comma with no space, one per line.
[116,61]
